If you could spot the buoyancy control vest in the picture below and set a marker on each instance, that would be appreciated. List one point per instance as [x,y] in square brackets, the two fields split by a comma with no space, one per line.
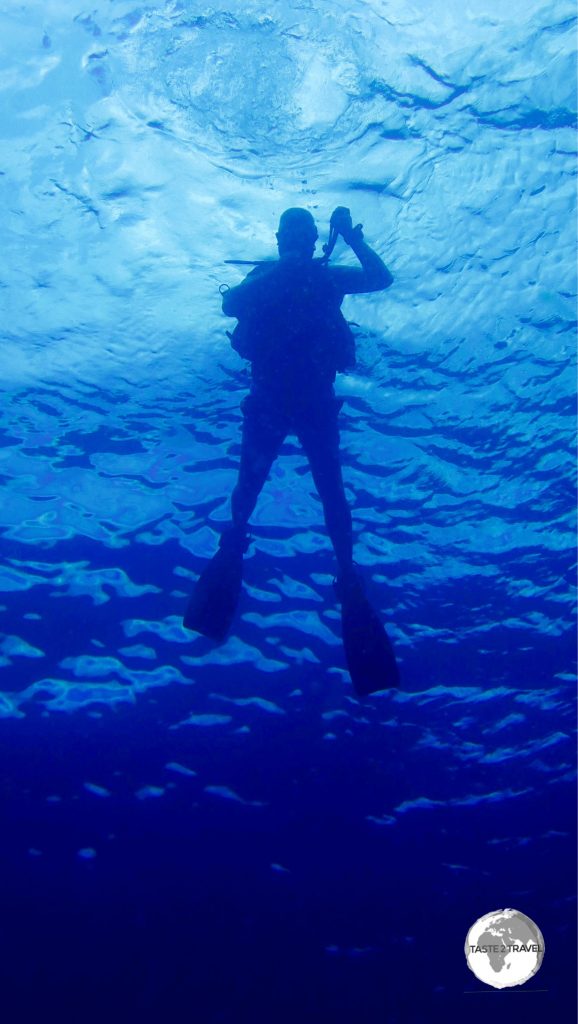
[295,335]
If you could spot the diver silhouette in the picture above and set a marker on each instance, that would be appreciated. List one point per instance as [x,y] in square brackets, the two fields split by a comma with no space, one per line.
[291,328]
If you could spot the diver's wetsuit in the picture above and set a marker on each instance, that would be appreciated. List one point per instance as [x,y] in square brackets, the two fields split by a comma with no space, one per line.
[294,333]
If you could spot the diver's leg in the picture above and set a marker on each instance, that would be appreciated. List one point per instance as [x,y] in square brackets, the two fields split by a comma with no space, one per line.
[368,651]
[319,436]
[212,606]
[263,435]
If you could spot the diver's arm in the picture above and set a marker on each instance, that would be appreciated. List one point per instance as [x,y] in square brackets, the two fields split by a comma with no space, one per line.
[373,275]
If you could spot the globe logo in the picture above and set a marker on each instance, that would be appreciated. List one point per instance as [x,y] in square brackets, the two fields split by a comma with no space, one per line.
[504,948]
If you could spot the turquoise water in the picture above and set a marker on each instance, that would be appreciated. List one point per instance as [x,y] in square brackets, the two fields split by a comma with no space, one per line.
[226,833]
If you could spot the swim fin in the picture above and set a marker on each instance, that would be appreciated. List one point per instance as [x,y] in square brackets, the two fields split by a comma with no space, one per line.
[368,649]
[214,600]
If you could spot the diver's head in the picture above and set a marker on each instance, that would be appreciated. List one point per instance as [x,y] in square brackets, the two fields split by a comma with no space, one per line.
[297,233]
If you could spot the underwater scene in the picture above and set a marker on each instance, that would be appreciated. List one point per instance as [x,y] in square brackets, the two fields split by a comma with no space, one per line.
[250,818]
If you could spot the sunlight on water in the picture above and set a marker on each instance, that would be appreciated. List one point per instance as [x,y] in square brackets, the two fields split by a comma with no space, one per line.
[144,146]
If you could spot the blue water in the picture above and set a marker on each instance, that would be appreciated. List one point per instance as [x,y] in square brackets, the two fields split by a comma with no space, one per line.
[226,834]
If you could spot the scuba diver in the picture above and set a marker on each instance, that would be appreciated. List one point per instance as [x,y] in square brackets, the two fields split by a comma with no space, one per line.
[291,328]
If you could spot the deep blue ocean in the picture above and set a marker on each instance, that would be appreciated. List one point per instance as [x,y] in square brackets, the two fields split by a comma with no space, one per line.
[227,834]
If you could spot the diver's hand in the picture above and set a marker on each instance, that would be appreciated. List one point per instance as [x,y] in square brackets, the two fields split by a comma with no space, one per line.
[342,223]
